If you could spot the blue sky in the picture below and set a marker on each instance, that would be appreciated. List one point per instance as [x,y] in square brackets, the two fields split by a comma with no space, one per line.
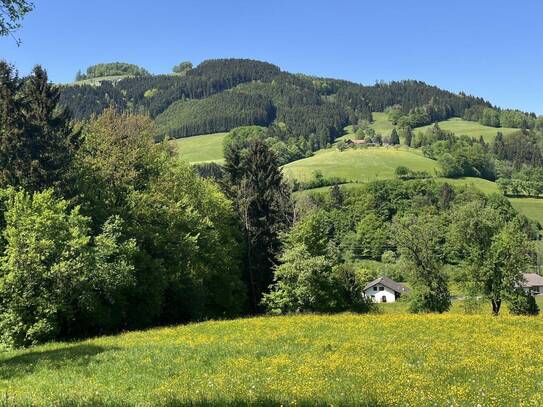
[492,49]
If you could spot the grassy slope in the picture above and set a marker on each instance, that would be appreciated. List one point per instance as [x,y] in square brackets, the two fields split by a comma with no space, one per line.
[382,125]
[359,164]
[205,148]
[388,359]
[473,129]
[531,207]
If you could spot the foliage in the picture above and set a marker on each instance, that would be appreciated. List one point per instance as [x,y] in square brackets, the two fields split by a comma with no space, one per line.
[182,68]
[418,239]
[523,304]
[255,183]
[56,280]
[11,14]
[118,155]
[218,113]
[37,144]
[493,247]
[112,69]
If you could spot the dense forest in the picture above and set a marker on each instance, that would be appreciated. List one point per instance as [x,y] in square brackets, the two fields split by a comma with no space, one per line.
[306,105]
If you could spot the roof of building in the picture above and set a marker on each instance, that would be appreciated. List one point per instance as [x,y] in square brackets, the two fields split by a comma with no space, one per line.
[388,282]
[532,280]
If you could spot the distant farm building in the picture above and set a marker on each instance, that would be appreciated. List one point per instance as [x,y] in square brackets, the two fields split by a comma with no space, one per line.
[355,142]
[533,283]
[384,289]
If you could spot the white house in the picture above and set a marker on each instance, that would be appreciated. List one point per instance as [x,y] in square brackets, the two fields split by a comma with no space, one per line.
[533,283]
[384,289]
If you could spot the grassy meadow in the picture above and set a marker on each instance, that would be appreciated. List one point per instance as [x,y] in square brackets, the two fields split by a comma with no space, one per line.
[197,149]
[360,164]
[474,129]
[387,359]
[458,126]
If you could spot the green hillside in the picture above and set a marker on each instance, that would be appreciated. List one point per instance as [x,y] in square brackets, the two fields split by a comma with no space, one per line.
[450,359]
[360,164]
[204,148]
[473,129]
[531,207]
[459,126]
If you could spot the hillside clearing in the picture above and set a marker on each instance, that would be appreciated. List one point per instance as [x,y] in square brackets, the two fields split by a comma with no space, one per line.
[473,129]
[197,149]
[458,126]
[377,360]
[364,164]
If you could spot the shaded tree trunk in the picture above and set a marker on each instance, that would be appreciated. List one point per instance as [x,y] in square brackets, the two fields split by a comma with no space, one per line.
[496,305]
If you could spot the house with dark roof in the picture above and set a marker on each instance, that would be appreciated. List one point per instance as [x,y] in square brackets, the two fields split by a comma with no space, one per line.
[384,289]
[532,283]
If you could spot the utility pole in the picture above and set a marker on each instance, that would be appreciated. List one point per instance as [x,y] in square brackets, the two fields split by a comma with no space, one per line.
[538,251]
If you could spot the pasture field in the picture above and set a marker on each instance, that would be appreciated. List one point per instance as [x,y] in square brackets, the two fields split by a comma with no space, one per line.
[380,124]
[531,207]
[197,149]
[387,359]
[473,129]
[458,126]
[360,164]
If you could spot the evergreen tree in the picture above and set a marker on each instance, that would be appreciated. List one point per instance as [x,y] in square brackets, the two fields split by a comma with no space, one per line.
[11,125]
[408,138]
[498,148]
[257,187]
[49,142]
[394,138]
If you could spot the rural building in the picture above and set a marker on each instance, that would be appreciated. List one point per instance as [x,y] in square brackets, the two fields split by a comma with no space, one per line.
[384,289]
[355,142]
[533,283]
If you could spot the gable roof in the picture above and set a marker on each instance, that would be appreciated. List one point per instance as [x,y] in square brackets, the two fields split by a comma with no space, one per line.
[388,282]
[532,280]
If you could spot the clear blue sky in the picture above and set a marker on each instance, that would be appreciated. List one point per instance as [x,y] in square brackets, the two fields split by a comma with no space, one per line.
[488,48]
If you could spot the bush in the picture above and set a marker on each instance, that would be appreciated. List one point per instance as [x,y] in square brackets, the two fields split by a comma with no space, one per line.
[523,304]
[68,278]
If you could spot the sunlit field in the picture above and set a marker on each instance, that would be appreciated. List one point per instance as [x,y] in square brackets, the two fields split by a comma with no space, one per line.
[360,164]
[473,129]
[204,148]
[392,358]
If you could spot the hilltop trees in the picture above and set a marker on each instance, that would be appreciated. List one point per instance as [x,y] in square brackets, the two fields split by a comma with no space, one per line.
[113,69]
[182,68]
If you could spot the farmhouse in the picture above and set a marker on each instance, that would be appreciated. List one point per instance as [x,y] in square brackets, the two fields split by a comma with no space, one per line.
[533,283]
[384,289]
[355,142]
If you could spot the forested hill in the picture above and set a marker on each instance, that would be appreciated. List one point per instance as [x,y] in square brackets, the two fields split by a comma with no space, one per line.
[221,94]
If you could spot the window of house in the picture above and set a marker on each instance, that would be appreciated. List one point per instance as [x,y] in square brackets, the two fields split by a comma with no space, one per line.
[381,288]
[374,288]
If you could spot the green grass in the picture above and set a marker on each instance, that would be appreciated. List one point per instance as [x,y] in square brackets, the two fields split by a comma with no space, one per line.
[198,149]
[388,359]
[472,129]
[458,126]
[360,164]
[380,124]
[531,207]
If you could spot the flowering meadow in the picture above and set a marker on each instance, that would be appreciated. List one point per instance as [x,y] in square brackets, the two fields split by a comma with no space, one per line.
[373,360]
